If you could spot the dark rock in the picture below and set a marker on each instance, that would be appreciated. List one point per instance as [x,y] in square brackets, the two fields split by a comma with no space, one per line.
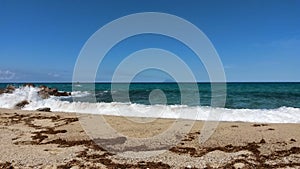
[51,91]
[293,140]
[43,94]
[45,109]
[43,87]
[28,85]
[8,89]
[21,104]
[1,91]
[46,92]
[262,141]
[62,94]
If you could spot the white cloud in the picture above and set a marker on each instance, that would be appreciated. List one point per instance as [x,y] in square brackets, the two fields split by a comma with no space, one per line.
[6,75]
[53,74]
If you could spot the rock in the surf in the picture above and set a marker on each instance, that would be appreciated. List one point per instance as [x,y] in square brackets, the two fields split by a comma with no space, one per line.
[45,92]
[8,89]
[2,91]
[28,85]
[62,94]
[21,104]
[45,109]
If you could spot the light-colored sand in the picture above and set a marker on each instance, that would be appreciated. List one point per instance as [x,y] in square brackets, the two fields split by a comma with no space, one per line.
[30,139]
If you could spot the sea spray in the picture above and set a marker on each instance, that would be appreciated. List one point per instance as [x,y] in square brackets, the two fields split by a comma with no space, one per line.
[278,115]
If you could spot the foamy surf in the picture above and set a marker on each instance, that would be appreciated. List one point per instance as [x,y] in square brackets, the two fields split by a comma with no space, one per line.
[279,115]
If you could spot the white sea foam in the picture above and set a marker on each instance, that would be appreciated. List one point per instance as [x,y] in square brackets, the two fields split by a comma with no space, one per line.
[80,93]
[280,115]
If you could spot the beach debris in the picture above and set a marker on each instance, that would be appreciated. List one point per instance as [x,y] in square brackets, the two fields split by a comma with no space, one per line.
[262,141]
[45,109]
[6,165]
[21,104]
[259,125]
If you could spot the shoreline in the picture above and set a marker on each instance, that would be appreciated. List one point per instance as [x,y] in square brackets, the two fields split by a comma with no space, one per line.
[121,116]
[57,139]
[49,97]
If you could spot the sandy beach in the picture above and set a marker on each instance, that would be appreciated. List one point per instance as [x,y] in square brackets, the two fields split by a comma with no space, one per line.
[31,139]
[149,85]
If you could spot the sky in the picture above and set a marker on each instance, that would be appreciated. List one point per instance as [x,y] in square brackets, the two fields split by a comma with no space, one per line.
[257,40]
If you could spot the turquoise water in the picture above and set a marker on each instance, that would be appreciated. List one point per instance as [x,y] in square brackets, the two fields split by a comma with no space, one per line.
[239,95]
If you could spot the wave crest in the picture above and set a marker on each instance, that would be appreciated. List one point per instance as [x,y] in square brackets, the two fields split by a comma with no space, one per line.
[279,115]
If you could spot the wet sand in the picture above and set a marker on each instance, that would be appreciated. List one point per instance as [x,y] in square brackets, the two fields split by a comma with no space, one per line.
[32,139]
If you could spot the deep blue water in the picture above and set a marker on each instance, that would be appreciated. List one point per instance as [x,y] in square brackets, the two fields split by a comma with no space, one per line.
[239,95]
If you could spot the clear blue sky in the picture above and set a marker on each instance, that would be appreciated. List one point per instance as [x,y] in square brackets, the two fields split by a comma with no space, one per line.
[257,40]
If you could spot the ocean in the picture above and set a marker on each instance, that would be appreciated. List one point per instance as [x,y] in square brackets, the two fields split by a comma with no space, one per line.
[250,102]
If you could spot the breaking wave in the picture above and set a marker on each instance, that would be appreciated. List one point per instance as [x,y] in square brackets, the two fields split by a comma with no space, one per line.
[279,115]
